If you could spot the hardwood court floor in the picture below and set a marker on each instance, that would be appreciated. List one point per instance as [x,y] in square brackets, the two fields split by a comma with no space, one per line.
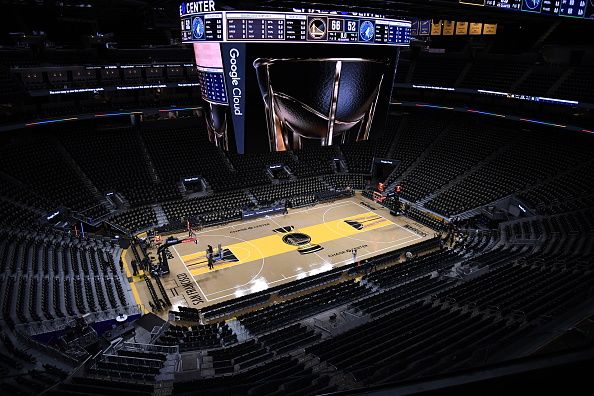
[270,251]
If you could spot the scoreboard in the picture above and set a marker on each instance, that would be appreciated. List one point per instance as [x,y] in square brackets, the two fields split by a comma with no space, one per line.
[567,8]
[574,8]
[292,27]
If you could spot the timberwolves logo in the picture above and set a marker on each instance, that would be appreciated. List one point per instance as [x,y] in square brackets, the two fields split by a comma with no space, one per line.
[366,31]
[198,28]
[532,5]
[317,29]
[300,240]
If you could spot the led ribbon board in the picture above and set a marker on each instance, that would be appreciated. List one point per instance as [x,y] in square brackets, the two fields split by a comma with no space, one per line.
[566,8]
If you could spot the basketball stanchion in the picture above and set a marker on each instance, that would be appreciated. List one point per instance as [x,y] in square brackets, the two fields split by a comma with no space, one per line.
[378,197]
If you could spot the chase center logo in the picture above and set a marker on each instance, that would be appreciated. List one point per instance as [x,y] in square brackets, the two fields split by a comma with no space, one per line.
[299,239]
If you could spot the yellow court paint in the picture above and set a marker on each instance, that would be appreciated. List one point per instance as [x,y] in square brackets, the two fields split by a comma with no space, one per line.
[129,275]
[126,268]
[272,245]
[136,296]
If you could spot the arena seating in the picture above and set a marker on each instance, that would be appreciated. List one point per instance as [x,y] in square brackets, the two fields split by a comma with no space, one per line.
[250,169]
[537,82]
[575,86]
[501,74]
[206,207]
[289,338]
[50,275]
[284,375]
[411,269]
[416,133]
[143,368]
[121,150]
[414,341]
[427,64]
[459,149]
[16,191]
[359,156]
[181,149]
[197,336]
[47,172]
[425,219]
[569,191]
[290,311]
[342,181]
[499,288]
[528,161]
[315,161]
[136,219]
[384,303]
[267,195]
[14,215]
[85,385]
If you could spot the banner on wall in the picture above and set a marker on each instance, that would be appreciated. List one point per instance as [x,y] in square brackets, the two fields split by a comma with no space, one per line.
[436,28]
[461,28]
[490,28]
[424,28]
[414,30]
[451,28]
[448,28]
[476,28]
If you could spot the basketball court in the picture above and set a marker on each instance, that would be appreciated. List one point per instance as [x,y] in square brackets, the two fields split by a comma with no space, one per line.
[270,251]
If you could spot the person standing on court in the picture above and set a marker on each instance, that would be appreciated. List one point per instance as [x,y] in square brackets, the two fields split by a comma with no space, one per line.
[209,257]
[210,261]
[189,228]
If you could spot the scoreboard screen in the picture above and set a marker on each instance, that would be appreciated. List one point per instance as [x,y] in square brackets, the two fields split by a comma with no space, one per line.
[573,8]
[292,27]
[567,8]
[260,95]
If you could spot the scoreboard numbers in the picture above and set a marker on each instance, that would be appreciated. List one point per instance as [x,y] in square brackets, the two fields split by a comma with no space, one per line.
[336,25]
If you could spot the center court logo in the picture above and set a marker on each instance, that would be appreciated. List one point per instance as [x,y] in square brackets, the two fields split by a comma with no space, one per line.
[299,239]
